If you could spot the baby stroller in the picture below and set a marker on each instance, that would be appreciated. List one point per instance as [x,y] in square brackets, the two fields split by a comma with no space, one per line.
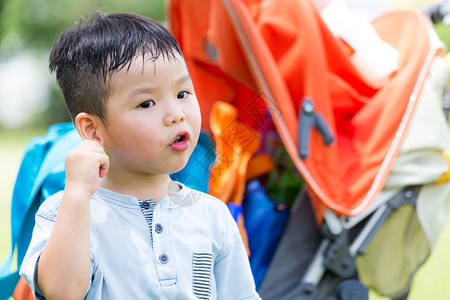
[372,156]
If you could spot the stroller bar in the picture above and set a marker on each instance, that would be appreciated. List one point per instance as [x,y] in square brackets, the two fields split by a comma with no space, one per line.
[407,196]
[309,283]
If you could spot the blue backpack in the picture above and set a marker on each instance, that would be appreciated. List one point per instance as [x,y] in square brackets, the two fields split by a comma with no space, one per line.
[41,174]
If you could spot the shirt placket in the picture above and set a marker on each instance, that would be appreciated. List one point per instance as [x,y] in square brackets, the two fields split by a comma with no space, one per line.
[164,258]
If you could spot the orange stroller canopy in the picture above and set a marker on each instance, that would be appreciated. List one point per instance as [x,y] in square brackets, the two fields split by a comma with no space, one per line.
[280,56]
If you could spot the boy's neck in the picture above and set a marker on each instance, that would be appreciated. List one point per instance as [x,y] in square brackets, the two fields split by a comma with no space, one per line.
[146,187]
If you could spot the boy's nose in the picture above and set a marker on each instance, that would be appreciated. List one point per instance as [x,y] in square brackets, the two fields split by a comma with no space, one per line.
[173,117]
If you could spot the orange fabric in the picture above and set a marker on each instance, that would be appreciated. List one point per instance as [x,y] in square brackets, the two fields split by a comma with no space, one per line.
[235,145]
[281,52]
[224,169]
[22,291]
[259,165]
[243,232]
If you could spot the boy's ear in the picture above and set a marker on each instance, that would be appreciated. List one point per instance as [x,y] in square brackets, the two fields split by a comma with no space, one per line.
[88,127]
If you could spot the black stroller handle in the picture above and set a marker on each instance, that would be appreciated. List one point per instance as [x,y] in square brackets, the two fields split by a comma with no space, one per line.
[308,119]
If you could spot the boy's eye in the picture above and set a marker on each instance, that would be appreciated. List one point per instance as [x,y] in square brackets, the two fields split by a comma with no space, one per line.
[147,104]
[182,95]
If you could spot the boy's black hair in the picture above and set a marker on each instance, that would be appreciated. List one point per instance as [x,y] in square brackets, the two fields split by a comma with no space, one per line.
[85,56]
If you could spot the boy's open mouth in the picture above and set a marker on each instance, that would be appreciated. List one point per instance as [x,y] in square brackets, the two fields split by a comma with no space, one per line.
[181,141]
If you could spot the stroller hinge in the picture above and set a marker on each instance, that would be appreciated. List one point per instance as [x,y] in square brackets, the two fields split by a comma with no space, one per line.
[308,119]
[337,257]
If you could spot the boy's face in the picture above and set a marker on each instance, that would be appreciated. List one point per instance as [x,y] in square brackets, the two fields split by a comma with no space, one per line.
[153,117]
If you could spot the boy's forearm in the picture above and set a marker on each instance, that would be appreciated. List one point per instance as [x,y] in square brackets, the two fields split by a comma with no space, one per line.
[64,265]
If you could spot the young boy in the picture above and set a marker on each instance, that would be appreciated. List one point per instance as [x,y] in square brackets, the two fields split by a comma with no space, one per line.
[122,229]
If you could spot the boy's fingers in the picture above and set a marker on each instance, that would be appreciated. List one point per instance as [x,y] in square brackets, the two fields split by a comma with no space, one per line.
[103,158]
[90,144]
[99,154]
[104,166]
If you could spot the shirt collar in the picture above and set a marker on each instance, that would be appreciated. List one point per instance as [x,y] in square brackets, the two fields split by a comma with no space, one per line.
[183,198]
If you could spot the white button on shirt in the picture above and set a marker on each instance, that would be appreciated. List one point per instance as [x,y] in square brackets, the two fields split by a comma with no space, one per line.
[188,247]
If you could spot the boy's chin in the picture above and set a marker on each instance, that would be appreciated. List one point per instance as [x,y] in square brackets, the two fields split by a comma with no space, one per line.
[178,168]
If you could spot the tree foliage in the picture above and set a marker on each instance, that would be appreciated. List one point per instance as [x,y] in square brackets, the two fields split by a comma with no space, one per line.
[37,23]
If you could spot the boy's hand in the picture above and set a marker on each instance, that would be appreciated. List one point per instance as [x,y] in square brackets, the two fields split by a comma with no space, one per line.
[66,256]
[85,164]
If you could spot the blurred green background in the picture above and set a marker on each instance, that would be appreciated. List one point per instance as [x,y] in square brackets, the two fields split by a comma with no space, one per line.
[29,98]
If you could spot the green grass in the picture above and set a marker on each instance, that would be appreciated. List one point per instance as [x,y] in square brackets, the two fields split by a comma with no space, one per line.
[443,31]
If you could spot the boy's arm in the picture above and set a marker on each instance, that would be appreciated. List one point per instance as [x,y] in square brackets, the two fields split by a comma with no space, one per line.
[234,279]
[64,265]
